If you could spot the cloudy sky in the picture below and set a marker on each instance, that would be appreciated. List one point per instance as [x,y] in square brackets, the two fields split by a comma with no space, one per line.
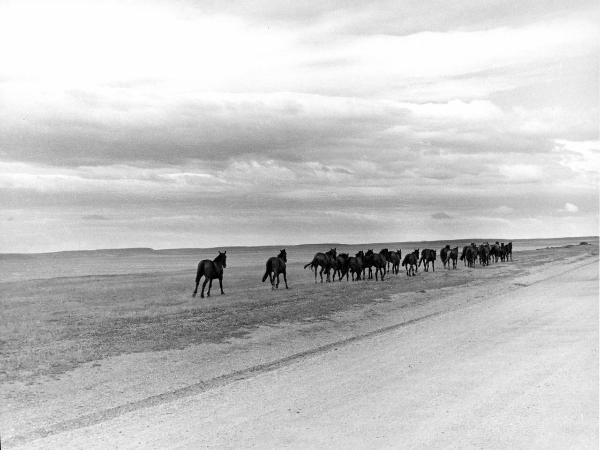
[190,123]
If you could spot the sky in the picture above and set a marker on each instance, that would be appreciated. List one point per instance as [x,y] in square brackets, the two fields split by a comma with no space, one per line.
[206,123]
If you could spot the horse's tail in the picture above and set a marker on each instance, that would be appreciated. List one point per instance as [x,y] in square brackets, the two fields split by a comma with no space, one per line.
[200,272]
[267,271]
[312,264]
[199,275]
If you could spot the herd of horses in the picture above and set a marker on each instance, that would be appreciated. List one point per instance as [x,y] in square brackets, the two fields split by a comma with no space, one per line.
[343,265]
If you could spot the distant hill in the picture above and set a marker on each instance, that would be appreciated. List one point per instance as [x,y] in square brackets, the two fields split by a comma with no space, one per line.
[135,251]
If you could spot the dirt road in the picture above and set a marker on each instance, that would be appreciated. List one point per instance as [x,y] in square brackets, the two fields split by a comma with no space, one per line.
[516,370]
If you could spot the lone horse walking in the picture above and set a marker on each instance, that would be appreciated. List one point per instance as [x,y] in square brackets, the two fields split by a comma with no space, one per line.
[211,270]
[276,266]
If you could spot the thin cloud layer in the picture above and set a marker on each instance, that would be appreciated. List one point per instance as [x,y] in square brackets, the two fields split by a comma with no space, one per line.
[386,120]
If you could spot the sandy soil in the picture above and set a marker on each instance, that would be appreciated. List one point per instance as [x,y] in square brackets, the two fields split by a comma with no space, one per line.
[492,358]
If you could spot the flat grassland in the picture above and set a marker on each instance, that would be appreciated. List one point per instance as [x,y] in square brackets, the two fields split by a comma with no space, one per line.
[86,337]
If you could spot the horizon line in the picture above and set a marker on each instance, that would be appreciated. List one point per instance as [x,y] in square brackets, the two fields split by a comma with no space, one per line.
[282,245]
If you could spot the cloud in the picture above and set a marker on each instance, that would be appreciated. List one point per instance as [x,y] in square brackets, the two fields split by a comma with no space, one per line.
[521,173]
[570,208]
[94,217]
[503,210]
[363,112]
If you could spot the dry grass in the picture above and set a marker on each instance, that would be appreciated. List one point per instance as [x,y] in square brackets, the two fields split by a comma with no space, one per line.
[51,326]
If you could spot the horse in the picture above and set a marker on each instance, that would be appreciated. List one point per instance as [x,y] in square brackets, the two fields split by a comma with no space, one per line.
[356,265]
[394,259]
[495,252]
[323,260]
[368,264]
[444,256]
[376,260]
[508,250]
[275,266]
[453,256]
[484,255]
[411,261]
[502,252]
[386,254]
[471,255]
[341,266]
[211,270]
[463,256]
[427,256]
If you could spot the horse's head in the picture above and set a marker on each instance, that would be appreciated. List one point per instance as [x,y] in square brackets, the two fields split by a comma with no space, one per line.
[369,252]
[360,254]
[283,255]
[222,258]
[416,252]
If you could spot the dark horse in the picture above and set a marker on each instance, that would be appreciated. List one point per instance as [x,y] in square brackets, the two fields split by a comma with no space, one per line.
[276,266]
[427,256]
[410,261]
[453,256]
[340,267]
[445,256]
[325,261]
[469,255]
[211,270]
[484,255]
[508,248]
[356,265]
[376,260]
[495,252]
[395,258]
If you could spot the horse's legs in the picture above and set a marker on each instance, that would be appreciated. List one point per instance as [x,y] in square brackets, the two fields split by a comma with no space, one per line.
[203,286]
[285,279]
[433,265]
[221,284]
[277,285]
[209,286]
[196,290]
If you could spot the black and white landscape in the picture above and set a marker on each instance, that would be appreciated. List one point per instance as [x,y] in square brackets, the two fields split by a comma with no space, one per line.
[138,138]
